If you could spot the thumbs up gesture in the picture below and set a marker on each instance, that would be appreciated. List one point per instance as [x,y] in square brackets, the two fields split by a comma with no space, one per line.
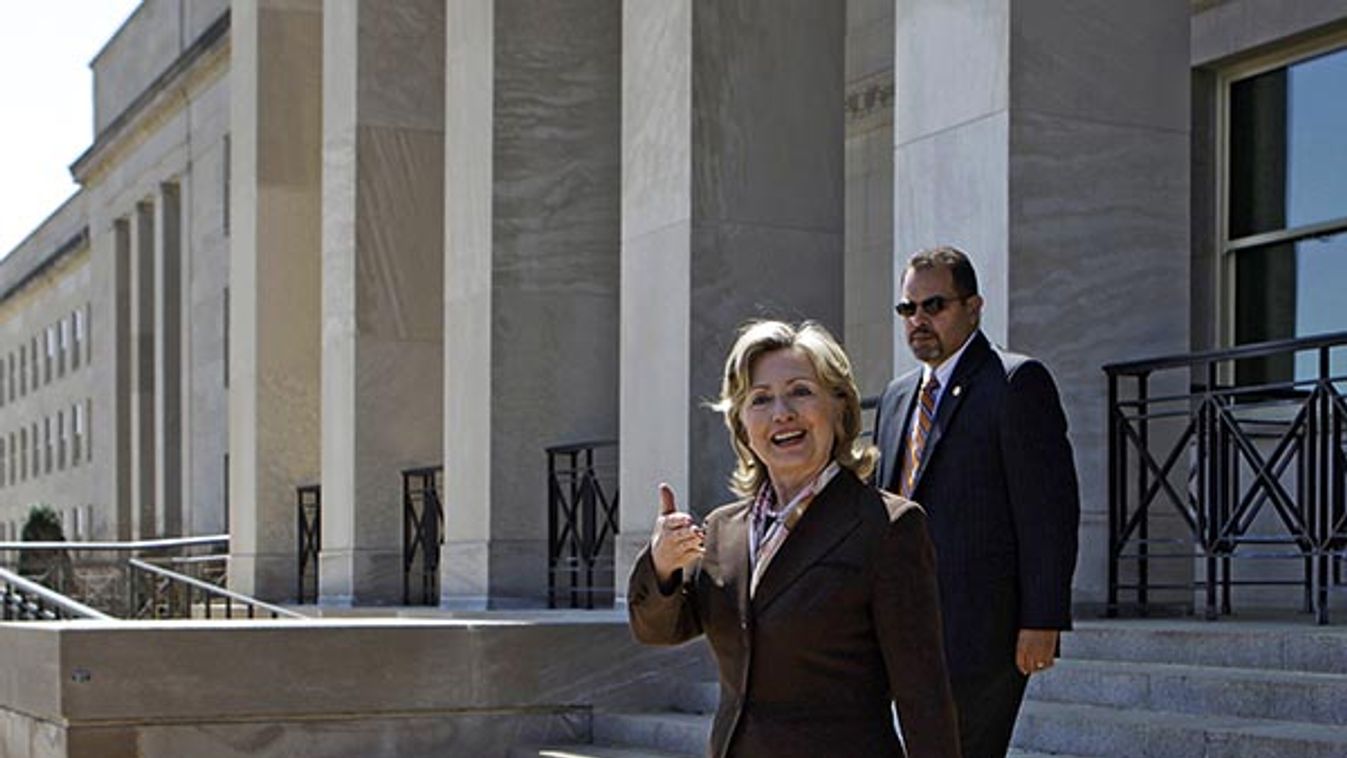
[678,542]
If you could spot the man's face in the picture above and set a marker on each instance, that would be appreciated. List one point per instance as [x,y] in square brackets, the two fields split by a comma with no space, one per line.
[935,337]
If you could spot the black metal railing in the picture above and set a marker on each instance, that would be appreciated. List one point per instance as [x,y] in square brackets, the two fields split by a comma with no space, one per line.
[422,535]
[25,600]
[1241,471]
[96,573]
[309,532]
[160,593]
[582,524]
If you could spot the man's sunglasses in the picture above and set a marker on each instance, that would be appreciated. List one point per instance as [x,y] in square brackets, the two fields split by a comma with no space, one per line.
[931,306]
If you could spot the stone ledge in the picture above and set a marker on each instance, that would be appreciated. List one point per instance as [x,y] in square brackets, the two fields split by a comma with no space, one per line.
[184,686]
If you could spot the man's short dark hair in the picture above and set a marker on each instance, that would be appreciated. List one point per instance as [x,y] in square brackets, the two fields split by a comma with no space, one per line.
[952,258]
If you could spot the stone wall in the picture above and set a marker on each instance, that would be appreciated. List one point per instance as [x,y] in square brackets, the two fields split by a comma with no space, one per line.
[411,688]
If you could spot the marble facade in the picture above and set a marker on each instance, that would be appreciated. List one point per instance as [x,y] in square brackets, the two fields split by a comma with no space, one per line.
[326,241]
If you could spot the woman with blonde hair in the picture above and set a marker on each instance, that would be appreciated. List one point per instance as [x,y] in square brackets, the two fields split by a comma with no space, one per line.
[816,591]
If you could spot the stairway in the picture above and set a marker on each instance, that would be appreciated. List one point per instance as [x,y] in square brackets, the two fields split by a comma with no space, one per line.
[1192,689]
[1131,689]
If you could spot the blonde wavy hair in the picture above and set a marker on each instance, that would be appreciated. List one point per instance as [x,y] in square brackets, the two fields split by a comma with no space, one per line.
[757,338]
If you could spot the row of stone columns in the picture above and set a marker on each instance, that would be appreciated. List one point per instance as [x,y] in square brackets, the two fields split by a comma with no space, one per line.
[468,230]
[145,394]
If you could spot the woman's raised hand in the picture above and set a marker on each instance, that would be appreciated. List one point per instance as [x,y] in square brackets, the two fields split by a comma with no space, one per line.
[677,541]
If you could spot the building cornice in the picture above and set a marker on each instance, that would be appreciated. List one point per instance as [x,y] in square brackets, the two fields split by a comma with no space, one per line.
[49,264]
[201,64]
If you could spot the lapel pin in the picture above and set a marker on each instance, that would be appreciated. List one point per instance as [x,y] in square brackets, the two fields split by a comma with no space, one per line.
[958,390]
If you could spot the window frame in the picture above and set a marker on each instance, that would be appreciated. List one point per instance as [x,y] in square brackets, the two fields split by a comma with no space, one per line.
[1227,249]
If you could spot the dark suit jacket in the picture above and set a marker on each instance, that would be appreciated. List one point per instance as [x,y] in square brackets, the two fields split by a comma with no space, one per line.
[999,486]
[844,621]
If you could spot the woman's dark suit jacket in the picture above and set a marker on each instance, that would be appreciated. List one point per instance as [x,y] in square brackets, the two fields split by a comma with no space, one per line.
[845,619]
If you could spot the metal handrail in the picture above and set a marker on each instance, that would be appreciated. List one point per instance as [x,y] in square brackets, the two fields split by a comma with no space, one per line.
[1231,472]
[185,560]
[210,589]
[1253,350]
[213,540]
[73,608]
[577,447]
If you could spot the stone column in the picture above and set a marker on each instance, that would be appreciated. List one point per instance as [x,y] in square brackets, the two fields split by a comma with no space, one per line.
[276,279]
[732,208]
[168,461]
[1051,141]
[531,276]
[869,193]
[143,490]
[115,394]
[383,273]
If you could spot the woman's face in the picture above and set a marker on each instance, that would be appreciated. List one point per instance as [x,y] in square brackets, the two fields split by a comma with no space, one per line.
[791,419]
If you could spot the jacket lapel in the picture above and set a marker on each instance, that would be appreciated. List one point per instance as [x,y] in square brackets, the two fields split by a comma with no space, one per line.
[732,556]
[827,522]
[964,375]
[894,445]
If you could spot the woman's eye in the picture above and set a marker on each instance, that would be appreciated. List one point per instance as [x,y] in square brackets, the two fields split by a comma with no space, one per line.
[801,390]
[758,400]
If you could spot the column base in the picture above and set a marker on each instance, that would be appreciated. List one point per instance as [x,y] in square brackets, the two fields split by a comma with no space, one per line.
[271,577]
[360,577]
[493,574]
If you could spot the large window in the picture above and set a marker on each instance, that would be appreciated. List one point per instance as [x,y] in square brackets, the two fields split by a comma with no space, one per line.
[1285,246]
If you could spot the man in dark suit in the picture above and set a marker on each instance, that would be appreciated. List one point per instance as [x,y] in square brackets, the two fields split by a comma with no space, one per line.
[977,436]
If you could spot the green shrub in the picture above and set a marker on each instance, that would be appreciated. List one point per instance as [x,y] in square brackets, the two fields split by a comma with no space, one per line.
[51,567]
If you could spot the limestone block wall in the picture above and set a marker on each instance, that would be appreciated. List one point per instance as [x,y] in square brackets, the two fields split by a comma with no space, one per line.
[144,47]
[46,384]
[205,332]
[156,212]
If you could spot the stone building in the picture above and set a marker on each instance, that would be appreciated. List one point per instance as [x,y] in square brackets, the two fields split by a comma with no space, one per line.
[327,242]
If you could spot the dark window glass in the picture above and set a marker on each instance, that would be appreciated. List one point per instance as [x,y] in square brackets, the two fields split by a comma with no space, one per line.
[1287,290]
[1288,146]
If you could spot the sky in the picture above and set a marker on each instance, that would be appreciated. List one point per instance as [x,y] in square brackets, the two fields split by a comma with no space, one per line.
[46,102]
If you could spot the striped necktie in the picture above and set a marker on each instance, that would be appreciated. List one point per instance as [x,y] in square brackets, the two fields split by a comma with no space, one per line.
[920,431]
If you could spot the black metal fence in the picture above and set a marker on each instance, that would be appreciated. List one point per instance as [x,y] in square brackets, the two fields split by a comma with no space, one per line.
[422,535]
[97,574]
[582,524]
[309,532]
[160,593]
[22,599]
[1243,451]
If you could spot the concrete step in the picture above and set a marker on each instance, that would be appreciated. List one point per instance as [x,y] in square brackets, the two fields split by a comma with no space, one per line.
[668,731]
[1017,753]
[1107,732]
[1203,690]
[1280,645]
[694,697]
[593,751]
